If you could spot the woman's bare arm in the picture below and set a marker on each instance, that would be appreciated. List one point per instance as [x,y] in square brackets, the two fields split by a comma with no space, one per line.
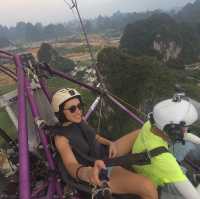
[69,160]
[102,140]
[125,143]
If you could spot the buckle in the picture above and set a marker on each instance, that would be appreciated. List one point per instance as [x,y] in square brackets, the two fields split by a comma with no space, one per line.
[147,157]
[143,158]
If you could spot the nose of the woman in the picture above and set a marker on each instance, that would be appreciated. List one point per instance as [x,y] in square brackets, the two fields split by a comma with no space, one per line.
[78,111]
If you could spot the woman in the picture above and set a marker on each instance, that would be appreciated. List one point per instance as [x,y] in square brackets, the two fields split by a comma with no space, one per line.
[74,132]
[167,125]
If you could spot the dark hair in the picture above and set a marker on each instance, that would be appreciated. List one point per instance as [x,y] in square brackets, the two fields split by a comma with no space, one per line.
[60,114]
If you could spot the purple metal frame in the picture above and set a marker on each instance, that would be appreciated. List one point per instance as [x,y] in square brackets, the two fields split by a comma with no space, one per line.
[98,91]
[52,185]
[44,140]
[24,89]
[24,187]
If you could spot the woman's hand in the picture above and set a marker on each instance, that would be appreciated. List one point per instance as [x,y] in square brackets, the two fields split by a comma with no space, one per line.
[112,150]
[93,173]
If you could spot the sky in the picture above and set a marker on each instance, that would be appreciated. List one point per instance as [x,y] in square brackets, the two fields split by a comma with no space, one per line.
[57,11]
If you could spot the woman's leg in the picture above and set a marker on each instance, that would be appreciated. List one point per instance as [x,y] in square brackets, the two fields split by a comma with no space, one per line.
[123,181]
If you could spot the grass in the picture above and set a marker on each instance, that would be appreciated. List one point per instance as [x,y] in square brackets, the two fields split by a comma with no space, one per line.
[6,88]
[7,125]
[80,49]
[57,83]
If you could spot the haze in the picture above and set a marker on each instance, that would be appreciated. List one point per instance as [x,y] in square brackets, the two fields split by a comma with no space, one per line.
[55,11]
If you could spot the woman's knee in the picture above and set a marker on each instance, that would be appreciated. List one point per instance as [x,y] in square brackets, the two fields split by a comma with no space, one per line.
[124,181]
[144,187]
[148,189]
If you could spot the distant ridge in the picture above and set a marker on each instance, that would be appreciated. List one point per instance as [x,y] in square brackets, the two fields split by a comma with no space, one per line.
[162,36]
[190,13]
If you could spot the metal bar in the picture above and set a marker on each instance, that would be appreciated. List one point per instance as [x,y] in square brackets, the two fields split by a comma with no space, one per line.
[12,116]
[39,189]
[84,31]
[192,164]
[65,76]
[5,57]
[42,134]
[58,187]
[13,73]
[44,88]
[134,116]
[8,98]
[98,74]
[24,178]
[92,108]
[7,73]
[6,53]
[4,135]
[36,116]
[51,188]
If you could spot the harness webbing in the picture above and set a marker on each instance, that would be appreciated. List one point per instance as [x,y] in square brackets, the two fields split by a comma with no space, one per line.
[142,158]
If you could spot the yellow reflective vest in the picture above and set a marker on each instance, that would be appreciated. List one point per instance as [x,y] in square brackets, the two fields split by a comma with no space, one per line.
[164,167]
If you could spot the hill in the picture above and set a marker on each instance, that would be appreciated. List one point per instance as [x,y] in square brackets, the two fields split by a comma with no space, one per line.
[160,35]
[4,42]
[190,13]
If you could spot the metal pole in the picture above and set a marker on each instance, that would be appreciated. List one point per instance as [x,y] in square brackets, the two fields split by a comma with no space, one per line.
[134,116]
[98,74]
[36,116]
[24,178]
[43,138]
[44,88]
[92,107]
[7,73]
[12,116]
[6,53]
[65,76]
[7,69]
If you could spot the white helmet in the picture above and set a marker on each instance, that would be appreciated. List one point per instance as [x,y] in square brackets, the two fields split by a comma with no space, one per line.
[63,95]
[172,111]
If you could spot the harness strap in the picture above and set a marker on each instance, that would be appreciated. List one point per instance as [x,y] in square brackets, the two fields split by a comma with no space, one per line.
[142,158]
[158,151]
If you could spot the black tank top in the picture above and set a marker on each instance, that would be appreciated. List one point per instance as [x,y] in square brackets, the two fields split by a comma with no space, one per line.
[81,138]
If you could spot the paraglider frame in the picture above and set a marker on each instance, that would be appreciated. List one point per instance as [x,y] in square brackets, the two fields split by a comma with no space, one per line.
[25,64]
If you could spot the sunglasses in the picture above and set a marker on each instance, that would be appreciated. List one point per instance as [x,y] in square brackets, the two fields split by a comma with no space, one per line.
[73,108]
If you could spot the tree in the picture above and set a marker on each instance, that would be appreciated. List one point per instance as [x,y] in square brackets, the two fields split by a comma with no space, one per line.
[50,56]
[177,44]
[50,32]
[137,79]
[140,81]
[45,53]
[4,42]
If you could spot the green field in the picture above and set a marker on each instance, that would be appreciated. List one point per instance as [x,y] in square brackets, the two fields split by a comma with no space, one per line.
[6,88]
[6,125]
